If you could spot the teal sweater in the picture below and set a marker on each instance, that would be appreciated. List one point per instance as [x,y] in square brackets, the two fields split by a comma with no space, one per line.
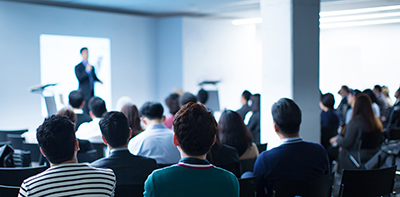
[192,177]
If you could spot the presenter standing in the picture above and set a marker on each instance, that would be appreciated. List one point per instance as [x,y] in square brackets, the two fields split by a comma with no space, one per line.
[86,76]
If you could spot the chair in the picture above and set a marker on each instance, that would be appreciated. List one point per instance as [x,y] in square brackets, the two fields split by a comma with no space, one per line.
[100,149]
[3,133]
[6,191]
[16,140]
[248,186]
[376,182]
[247,164]
[15,176]
[393,124]
[262,147]
[34,148]
[320,187]
[129,190]
[88,156]
[233,167]
[369,141]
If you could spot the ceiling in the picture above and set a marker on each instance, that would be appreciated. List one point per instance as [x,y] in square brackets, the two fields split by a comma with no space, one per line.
[214,8]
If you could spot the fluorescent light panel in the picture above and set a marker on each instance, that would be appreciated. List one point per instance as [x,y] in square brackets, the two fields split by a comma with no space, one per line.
[357,17]
[359,11]
[358,23]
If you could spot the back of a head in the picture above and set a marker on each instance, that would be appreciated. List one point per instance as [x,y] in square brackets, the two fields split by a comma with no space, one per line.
[363,109]
[97,106]
[76,98]
[287,116]
[346,89]
[186,98]
[355,92]
[67,111]
[56,137]
[328,100]
[255,102]
[246,94]
[378,88]
[371,95]
[132,114]
[172,102]
[195,129]
[202,96]
[114,128]
[152,110]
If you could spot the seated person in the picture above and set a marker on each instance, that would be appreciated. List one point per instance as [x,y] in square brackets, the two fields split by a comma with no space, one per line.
[91,130]
[132,114]
[244,99]
[295,159]
[156,140]
[129,169]
[172,102]
[77,102]
[195,132]
[57,142]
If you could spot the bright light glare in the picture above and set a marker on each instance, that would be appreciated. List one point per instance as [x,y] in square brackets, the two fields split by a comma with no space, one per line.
[358,23]
[247,21]
[359,11]
[358,17]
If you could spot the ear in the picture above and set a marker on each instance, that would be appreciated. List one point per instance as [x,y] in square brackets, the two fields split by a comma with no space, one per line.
[77,145]
[276,128]
[91,115]
[215,140]
[82,104]
[41,150]
[104,140]
[163,118]
[176,143]
[130,133]
[143,119]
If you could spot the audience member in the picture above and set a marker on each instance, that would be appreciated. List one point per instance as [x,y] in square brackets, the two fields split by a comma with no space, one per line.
[254,122]
[245,104]
[186,98]
[343,105]
[202,96]
[397,96]
[329,124]
[172,102]
[132,114]
[91,130]
[385,93]
[156,140]
[295,159]
[225,156]
[351,98]
[363,120]
[77,102]
[65,177]
[380,100]
[129,169]
[374,104]
[233,132]
[195,132]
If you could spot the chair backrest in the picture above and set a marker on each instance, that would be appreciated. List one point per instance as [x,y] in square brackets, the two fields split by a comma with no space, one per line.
[34,148]
[393,124]
[320,187]
[16,140]
[376,182]
[3,133]
[233,167]
[15,176]
[129,190]
[247,165]
[248,186]
[100,149]
[6,191]
[88,156]
[262,147]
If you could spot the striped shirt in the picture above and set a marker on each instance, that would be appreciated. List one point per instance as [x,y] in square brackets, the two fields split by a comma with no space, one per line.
[71,179]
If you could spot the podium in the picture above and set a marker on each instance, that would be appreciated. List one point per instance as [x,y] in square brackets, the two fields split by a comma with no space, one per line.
[49,100]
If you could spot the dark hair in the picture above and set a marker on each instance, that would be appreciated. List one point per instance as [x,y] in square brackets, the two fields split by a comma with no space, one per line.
[56,137]
[132,114]
[172,102]
[202,96]
[328,100]
[345,88]
[83,48]
[287,116]
[246,94]
[114,128]
[363,109]
[67,111]
[378,87]
[233,132]
[195,128]
[255,102]
[355,92]
[152,110]
[186,98]
[371,95]
[97,106]
[76,98]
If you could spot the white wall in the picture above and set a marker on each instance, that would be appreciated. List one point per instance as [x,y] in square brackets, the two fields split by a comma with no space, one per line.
[215,49]
[360,57]
[133,49]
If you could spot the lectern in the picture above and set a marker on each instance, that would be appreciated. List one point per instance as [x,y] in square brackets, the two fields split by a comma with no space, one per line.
[49,100]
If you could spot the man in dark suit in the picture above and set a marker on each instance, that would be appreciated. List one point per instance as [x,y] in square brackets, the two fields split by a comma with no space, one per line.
[130,170]
[86,76]
[295,159]
[76,100]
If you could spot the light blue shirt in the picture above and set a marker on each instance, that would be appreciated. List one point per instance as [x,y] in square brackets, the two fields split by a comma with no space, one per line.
[155,142]
[374,106]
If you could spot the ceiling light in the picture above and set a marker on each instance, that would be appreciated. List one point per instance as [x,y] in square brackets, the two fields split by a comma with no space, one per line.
[358,23]
[359,11]
[358,17]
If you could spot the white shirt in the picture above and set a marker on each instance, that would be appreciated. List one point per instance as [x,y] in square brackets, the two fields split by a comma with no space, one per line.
[90,131]
[155,142]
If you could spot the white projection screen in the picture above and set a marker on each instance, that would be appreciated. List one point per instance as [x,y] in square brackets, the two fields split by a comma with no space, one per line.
[58,57]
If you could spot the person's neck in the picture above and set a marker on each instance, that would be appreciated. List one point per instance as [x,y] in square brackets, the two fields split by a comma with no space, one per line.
[201,157]
[110,147]
[283,136]
[74,160]
[153,122]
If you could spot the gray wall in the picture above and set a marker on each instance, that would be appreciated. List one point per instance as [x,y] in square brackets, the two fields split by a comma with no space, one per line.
[133,59]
